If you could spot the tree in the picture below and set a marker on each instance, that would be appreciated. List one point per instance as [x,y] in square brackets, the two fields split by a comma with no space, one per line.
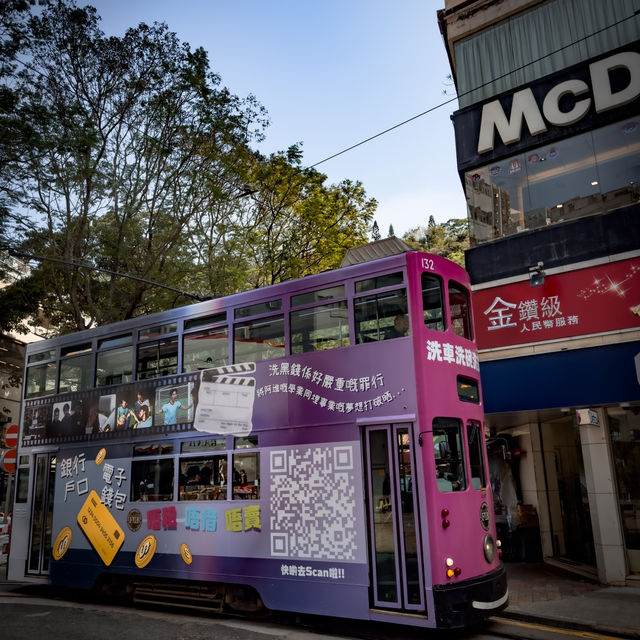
[449,239]
[129,155]
[392,233]
[375,232]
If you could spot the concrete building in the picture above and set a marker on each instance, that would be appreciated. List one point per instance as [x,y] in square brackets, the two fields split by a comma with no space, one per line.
[548,152]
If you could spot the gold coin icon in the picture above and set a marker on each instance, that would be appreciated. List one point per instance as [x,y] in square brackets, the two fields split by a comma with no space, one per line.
[145,551]
[62,543]
[102,454]
[185,552]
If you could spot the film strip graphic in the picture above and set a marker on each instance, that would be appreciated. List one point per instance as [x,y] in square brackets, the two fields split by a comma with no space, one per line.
[225,400]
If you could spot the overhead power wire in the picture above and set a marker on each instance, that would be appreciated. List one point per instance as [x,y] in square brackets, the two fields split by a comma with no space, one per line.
[481,86]
[30,256]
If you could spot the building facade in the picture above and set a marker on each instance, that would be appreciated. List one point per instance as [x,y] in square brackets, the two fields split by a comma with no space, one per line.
[548,152]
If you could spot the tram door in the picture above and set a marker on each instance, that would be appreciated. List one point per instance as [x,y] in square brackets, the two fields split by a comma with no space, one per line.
[397,579]
[41,514]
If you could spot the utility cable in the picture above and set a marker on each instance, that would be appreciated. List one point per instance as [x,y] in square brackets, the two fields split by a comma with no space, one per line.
[23,254]
[481,86]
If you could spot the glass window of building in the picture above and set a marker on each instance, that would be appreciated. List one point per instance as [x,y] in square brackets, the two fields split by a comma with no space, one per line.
[320,328]
[41,380]
[432,302]
[245,476]
[157,359]
[449,455]
[205,349]
[587,174]
[535,43]
[203,478]
[259,340]
[460,311]
[382,316]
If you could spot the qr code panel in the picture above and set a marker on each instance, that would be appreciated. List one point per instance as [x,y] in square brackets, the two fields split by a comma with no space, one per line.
[313,503]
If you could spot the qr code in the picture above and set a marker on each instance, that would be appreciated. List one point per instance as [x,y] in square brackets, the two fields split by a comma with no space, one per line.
[313,503]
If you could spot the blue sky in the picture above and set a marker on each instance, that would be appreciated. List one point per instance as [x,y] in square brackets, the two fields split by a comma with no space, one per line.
[332,73]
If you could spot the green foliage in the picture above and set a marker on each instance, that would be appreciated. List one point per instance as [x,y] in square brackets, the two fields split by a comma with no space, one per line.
[449,239]
[375,232]
[129,155]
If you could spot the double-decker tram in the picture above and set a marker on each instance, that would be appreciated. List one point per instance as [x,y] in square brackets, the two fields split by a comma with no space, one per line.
[314,446]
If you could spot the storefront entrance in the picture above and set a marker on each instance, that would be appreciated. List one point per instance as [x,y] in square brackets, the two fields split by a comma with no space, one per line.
[571,530]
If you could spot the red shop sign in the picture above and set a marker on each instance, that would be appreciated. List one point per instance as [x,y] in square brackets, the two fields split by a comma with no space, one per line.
[576,303]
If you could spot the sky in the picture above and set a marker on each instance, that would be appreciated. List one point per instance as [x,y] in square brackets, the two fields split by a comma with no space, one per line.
[332,73]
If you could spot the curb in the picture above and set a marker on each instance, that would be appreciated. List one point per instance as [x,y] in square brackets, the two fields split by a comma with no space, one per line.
[566,623]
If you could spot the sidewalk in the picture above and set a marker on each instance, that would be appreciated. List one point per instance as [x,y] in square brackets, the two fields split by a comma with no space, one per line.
[543,594]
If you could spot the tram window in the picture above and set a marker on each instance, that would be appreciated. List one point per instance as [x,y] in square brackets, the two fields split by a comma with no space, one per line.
[246,476]
[259,340]
[381,316]
[112,343]
[432,302]
[321,295]
[114,367]
[320,328]
[205,349]
[449,455]
[203,478]
[476,459]
[39,357]
[75,373]
[152,450]
[22,485]
[157,359]
[152,480]
[245,442]
[209,444]
[468,390]
[75,350]
[386,280]
[156,332]
[460,311]
[41,380]
[205,321]
[258,309]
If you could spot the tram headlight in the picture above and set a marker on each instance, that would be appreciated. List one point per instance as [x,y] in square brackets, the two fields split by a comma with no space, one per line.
[489,547]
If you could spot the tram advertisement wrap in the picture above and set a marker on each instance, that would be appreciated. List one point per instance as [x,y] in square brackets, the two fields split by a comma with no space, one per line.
[306,522]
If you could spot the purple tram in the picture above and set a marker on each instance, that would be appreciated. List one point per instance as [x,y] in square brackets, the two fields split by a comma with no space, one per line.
[314,446]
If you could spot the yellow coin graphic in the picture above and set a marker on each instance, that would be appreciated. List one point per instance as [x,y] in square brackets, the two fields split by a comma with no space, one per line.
[62,543]
[102,454]
[145,551]
[185,552]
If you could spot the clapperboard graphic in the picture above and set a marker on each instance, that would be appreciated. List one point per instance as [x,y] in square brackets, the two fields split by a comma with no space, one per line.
[225,400]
